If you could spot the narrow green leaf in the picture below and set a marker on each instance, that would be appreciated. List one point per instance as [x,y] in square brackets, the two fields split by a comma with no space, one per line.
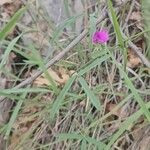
[11,24]
[57,103]
[124,126]
[135,93]
[92,23]
[95,123]
[71,136]
[66,6]
[146,12]
[93,64]
[83,145]
[8,50]
[89,93]
[58,31]
[92,28]
[118,32]
[115,24]
[10,96]
[14,115]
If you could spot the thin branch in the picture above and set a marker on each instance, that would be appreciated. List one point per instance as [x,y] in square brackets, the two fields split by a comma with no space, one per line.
[138,50]
[61,54]
[71,45]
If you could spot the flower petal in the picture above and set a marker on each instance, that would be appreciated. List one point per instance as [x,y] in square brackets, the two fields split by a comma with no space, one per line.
[100,37]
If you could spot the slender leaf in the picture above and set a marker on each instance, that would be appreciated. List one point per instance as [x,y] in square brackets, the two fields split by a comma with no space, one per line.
[146,12]
[133,90]
[110,113]
[8,50]
[115,24]
[124,126]
[14,115]
[93,64]
[118,32]
[83,145]
[135,94]
[89,93]
[11,24]
[57,103]
[71,136]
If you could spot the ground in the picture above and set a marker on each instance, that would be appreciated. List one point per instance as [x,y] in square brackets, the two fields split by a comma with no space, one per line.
[60,89]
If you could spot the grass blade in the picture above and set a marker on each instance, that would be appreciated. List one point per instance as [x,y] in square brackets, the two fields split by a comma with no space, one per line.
[146,12]
[83,145]
[89,93]
[118,32]
[125,126]
[135,93]
[93,64]
[11,24]
[72,136]
[60,28]
[115,24]
[8,50]
[14,115]
[61,96]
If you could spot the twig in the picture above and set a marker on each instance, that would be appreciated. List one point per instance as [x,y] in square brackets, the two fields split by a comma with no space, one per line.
[70,46]
[131,44]
[137,50]
[60,55]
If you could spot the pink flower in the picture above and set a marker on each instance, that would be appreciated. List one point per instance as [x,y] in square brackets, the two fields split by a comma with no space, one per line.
[100,37]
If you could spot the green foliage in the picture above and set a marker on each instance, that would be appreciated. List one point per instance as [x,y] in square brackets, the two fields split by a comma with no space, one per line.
[11,24]
[118,32]
[89,93]
[146,12]
[73,123]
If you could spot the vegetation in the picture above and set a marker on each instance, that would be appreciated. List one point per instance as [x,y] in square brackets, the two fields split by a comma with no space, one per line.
[67,92]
